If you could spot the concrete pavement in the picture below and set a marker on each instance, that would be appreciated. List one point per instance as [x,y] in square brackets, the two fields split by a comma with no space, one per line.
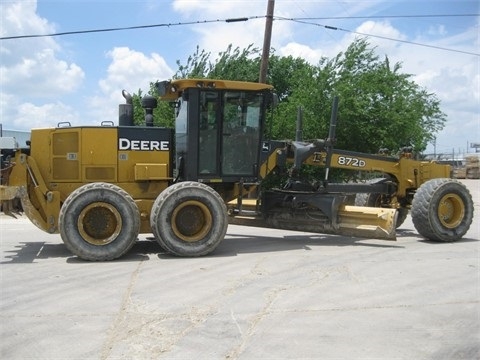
[263,294]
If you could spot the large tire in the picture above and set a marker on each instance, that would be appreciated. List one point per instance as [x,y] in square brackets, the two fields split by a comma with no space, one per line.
[189,219]
[375,200]
[99,221]
[442,210]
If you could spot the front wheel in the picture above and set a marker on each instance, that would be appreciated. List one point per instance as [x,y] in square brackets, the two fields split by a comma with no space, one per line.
[189,219]
[442,210]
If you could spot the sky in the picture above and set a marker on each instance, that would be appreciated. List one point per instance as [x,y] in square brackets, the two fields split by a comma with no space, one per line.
[79,78]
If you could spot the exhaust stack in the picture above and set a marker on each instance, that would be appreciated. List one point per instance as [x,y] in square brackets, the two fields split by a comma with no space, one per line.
[125,111]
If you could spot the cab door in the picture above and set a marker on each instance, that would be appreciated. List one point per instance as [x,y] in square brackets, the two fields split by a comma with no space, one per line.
[241,133]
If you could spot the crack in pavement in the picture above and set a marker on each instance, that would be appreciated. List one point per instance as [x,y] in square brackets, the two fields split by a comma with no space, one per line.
[121,315]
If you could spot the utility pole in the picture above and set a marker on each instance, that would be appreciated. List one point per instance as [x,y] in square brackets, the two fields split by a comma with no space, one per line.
[266,42]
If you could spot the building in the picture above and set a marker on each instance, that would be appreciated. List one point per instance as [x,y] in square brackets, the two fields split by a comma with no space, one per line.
[20,136]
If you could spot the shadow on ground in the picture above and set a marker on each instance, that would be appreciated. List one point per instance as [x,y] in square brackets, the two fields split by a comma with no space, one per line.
[232,245]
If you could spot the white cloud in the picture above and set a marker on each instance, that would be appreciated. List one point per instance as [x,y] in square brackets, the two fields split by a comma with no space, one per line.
[313,56]
[384,31]
[380,29]
[17,114]
[453,77]
[47,115]
[41,75]
[130,70]
[27,61]
[20,18]
[133,70]
[31,72]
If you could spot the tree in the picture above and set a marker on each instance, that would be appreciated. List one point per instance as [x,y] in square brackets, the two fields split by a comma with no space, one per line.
[197,66]
[380,107]
[232,64]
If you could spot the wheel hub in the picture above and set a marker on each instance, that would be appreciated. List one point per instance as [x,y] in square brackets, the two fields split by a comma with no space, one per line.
[451,211]
[191,221]
[99,223]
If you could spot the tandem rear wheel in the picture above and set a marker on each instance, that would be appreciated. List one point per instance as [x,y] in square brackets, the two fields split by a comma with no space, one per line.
[99,221]
[189,219]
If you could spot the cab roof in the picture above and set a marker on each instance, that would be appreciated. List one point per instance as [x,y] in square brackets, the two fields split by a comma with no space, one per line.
[172,89]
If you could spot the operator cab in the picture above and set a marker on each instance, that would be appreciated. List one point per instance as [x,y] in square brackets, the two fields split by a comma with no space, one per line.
[219,127]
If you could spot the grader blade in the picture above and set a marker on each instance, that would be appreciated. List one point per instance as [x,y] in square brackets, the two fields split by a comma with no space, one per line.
[356,221]
[367,222]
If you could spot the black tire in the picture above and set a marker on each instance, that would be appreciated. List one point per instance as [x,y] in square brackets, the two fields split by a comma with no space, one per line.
[99,221]
[368,199]
[442,210]
[189,219]
[375,200]
[402,214]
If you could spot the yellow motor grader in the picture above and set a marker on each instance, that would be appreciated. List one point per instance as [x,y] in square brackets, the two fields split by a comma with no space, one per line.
[100,186]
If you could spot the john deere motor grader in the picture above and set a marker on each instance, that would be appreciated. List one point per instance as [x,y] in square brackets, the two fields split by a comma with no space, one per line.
[100,186]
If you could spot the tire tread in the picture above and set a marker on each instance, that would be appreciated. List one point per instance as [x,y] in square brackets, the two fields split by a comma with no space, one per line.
[86,253]
[424,209]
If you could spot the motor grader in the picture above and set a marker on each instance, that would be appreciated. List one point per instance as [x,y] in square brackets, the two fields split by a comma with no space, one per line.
[101,186]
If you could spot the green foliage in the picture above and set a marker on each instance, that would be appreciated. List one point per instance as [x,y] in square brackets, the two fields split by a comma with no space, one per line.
[163,115]
[138,113]
[232,64]
[237,65]
[197,66]
[380,107]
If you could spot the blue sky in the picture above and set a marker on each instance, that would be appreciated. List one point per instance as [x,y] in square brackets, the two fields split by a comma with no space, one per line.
[79,78]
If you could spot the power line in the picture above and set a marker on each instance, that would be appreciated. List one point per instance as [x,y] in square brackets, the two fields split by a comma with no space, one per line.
[298,20]
[77,32]
[379,36]
[386,17]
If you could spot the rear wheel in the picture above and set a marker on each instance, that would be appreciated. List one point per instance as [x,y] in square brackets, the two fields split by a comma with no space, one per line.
[442,210]
[189,219]
[99,221]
